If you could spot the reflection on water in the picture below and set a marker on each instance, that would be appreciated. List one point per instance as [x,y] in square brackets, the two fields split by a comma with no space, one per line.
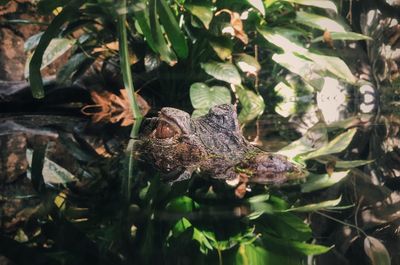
[87,202]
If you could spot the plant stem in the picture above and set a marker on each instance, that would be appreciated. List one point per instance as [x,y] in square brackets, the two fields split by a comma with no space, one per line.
[124,62]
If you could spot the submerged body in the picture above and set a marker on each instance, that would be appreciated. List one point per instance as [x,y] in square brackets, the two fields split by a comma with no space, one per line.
[178,145]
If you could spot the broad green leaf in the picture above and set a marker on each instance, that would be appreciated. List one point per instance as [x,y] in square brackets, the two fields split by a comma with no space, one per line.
[258,4]
[247,63]
[203,241]
[344,36]
[280,40]
[334,65]
[325,4]
[335,146]
[317,182]
[171,27]
[201,11]
[181,204]
[182,225]
[52,172]
[161,45]
[250,254]
[199,112]
[293,246]
[69,12]
[307,69]
[70,67]
[205,97]
[288,105]
[223,46]
[56,48]
[376,251]
[318,22]
[223,71]
[252,104]
[315,206]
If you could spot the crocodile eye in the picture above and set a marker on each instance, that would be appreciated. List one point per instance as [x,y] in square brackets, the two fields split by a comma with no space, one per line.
[164,131]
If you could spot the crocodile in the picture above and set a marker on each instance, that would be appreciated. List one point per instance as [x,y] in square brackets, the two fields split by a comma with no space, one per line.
[178,145]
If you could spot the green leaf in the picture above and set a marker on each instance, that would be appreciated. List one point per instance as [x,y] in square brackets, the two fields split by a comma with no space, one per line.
[181,204]
[223,71]
[71,67]
[318,22]
[205,97]
[171,27]
[222,46]
[376,251]
[181,226]
[161,45]
[252,104]
[141,14]
[334,65]
[52,172]
[278,38]
[201,238]
[68,13]
[54,50]
[287,106]
[201,11]
[247,63]
[199,112]
[335,146]
[344,164]
[325,4]
[315,206]
[258,4]
[316,135]
[250,254]
[344,36]
[296,246]
[317,182]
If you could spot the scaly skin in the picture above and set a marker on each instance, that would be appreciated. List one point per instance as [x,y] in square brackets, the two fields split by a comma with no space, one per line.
[177,145]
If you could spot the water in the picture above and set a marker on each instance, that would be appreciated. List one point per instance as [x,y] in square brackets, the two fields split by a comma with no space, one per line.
[93,204]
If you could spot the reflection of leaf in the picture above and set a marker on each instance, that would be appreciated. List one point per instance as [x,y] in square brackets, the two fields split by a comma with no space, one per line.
[315,206]
[315,136]
[52,172]
[236,24]
[223,71]
[317,182]
[251,254]
[205,97]
[376,251]
[56,48]
[335,146]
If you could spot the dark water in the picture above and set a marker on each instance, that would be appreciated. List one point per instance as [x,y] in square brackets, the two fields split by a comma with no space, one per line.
[94,204]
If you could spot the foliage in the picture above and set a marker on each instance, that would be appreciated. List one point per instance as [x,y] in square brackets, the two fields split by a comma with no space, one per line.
[231,41]
[220,48]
